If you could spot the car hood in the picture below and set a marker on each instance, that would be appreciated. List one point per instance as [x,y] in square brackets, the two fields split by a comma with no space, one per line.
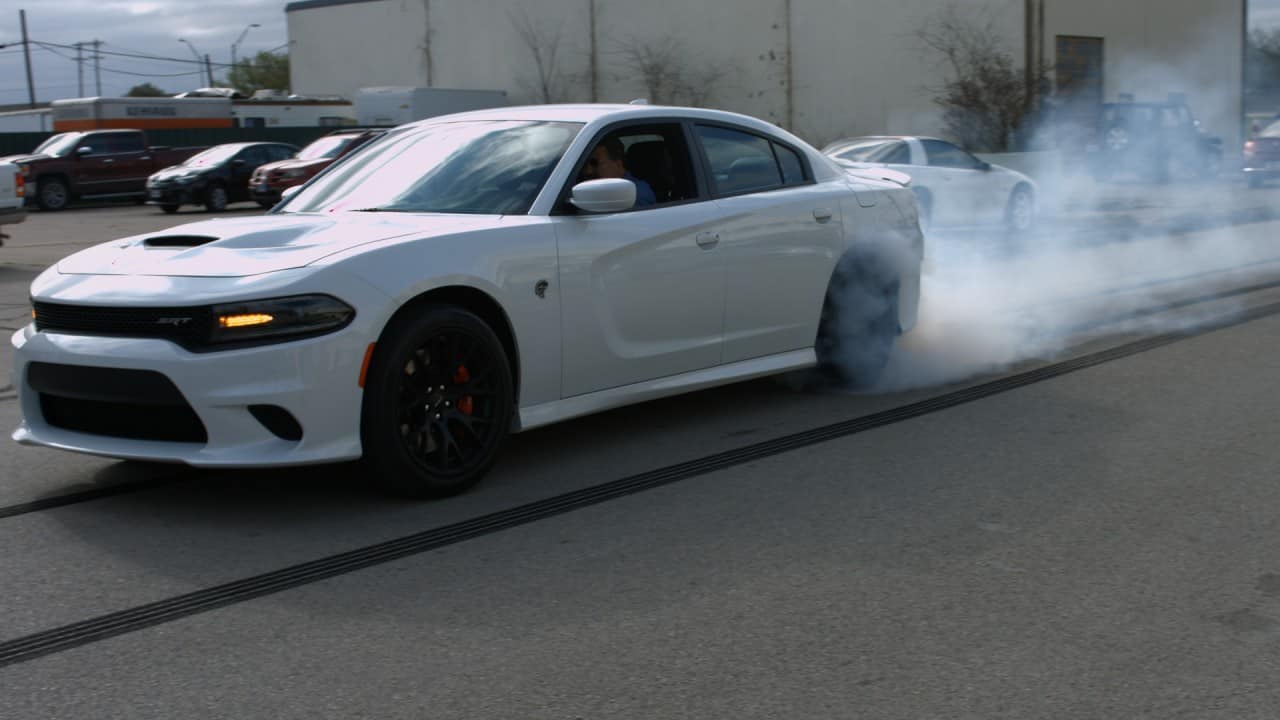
[174,171]
[294,163]
[24,158]
[241,247]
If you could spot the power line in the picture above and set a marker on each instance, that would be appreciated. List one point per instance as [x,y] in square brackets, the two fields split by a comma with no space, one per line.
[132,55]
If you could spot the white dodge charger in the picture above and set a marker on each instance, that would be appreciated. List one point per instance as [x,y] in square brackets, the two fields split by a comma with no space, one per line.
[466,277]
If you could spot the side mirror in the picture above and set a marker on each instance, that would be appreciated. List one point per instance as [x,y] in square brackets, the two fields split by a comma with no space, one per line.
[289,192]
[984,166]
[84,150]
[609,195]
[237,162]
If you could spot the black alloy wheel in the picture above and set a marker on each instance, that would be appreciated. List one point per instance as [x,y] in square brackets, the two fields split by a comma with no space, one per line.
[216,198]
[859,323]
[438,402]
[52,194]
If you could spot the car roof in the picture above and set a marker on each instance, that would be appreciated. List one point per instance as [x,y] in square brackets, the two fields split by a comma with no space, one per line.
[601,113]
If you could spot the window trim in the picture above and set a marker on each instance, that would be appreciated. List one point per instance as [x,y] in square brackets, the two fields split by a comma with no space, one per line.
[562,208]
[705,159]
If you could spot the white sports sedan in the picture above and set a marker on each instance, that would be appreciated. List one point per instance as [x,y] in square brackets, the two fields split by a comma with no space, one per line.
[955,189]
[465,277]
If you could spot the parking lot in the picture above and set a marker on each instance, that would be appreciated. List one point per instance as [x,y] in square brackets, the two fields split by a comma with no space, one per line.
[1077,527]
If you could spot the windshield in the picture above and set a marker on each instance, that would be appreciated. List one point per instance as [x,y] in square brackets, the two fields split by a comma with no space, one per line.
[213,156]
[878,150]
[1272,131]
[326,147]
[493,167]
[58,145]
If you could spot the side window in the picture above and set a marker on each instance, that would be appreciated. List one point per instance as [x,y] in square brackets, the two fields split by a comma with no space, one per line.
[655,157]
[740,162]
[899,153]
[252,156]
[944,154]
[280,152]
[792,167]
[128,143]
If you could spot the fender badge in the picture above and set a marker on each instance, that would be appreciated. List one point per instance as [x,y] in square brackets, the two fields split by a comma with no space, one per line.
[541,288]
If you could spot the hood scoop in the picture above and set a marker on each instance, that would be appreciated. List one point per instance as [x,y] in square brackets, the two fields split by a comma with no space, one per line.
[178,241]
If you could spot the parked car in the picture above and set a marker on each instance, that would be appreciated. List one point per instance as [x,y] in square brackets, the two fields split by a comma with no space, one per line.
[1154,141]
[271,179]
[214,178]
[1262,156]
[954,188]
[94,164]
[12,197]
[462,279]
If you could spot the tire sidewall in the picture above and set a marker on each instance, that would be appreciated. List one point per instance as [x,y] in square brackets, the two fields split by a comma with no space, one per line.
[385,454]
[47,184]
[216,200]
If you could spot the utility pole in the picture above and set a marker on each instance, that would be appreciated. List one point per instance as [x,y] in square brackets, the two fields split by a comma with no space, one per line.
[426,44]
[26,54]
[97,68]
[208,69]
[79,69]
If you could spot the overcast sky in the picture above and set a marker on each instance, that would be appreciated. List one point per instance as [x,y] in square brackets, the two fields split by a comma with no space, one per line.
[145,28]
[153,28]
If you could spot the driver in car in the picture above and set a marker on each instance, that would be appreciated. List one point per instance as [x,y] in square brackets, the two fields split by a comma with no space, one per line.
[607,161]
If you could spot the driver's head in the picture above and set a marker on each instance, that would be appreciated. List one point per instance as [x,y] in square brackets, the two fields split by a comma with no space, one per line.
[606,161]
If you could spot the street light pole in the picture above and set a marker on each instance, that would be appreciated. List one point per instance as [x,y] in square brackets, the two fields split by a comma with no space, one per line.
[236,44]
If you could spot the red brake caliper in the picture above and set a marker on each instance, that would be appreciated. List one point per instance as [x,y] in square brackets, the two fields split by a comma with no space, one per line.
[462,376]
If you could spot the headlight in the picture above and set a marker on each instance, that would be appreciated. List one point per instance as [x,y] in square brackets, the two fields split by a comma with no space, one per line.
[186,179]
[295,173]
[278,318]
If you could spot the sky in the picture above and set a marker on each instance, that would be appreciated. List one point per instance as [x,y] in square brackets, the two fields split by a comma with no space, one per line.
[142,28]
[153,28]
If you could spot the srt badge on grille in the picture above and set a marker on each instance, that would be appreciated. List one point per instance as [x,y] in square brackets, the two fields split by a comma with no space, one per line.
[174,321]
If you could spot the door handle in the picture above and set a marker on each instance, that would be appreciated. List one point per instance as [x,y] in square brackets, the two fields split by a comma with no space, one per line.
[822,214]
[108,161]
[707,240]
[145,157]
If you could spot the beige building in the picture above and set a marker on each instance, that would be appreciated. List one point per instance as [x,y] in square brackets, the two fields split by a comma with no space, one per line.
[822,68]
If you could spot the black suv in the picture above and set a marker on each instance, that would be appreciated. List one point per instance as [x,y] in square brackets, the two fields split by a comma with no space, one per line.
[1156,141]
[214,178]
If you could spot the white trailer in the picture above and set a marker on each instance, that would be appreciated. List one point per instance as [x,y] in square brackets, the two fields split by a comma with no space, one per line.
[400,105]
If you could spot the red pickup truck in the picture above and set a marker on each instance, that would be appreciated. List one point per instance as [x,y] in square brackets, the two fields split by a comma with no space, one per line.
[96,163]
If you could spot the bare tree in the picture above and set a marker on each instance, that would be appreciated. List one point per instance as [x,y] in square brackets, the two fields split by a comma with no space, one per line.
[550,84]
[986,100]
[671,75]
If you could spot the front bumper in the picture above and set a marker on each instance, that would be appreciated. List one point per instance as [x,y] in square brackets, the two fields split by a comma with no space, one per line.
[175,195]
[314,380]
[13,215]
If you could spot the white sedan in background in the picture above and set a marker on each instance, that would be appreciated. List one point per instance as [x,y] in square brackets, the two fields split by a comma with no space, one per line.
[461,278]
[955,189]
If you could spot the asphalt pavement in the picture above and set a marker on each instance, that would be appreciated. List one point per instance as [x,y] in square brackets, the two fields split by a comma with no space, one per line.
[1020,537]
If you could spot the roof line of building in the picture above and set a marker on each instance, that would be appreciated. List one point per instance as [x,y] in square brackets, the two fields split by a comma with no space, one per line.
[308,4]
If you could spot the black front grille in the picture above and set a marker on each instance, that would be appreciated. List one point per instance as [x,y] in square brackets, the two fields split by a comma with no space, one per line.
[188,326]
[123,403]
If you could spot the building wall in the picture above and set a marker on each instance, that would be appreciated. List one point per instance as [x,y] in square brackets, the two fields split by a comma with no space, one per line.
[857,65]
[1158,47]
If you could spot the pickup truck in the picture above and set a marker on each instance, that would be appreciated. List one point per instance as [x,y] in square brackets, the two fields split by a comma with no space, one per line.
[95,163]
[12,189]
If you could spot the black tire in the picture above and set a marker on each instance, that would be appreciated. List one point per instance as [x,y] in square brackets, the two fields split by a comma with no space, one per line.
[438,402]
[924,205]
[859,322]
[215,198]
[169,209]
[52,194]
[266,204]
[1020,213]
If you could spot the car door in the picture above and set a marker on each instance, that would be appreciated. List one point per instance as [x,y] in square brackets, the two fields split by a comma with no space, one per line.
[642,291]
[780,239]
[241,168]
[95,171]
[962,193]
